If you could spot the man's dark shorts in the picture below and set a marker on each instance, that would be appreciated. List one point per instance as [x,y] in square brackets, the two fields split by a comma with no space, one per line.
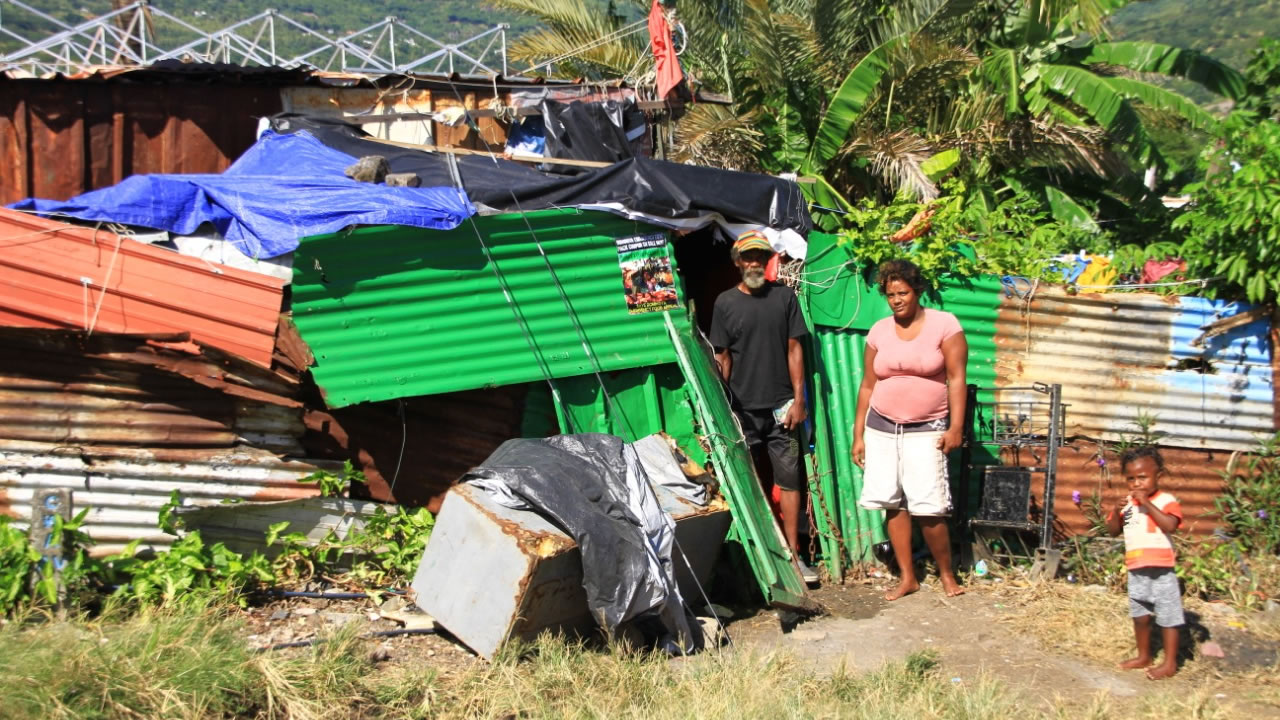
[784,447]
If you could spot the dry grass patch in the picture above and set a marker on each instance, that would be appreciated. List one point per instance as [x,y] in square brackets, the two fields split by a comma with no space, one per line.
[1095,625]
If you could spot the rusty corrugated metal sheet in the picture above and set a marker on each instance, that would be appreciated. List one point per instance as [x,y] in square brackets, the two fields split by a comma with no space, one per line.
[57,388]
[122,423]
[62,138]
[1121,354]
[413,451]
[64,276]
[1195,477]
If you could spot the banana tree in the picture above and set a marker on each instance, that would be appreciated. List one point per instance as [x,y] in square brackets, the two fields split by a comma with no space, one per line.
[1041,67]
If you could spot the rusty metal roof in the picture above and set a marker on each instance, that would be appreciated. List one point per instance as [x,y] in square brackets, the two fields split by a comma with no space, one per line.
[58,275]
[122,423]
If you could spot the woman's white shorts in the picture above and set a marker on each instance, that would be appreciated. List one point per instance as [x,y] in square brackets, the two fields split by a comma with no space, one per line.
[905,471]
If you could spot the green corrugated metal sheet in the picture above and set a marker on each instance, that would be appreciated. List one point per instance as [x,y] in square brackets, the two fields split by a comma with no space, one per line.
[642,401]
[753,523]
[840,374]
[397,312]
[843,306]
[822,480]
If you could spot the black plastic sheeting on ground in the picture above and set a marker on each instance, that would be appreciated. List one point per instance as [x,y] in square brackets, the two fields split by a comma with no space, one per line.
[654,187]
[593,486]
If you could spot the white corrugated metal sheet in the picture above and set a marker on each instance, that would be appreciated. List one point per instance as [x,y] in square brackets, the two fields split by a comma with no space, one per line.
[124,488]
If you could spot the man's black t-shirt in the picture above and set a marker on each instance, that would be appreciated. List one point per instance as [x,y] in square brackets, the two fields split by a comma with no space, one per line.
[755,329]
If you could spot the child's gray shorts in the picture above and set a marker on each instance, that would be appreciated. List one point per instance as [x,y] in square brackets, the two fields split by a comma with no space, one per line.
[1155,591]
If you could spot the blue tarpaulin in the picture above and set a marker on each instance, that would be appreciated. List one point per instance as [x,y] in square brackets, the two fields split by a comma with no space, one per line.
[284,188]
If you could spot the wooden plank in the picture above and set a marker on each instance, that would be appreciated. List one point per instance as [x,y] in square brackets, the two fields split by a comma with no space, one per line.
[518,157]
[526,111]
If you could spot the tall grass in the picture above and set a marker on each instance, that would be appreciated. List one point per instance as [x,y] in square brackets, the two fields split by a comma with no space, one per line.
[193,663]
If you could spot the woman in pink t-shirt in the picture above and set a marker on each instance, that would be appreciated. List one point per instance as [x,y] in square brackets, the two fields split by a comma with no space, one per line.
[910,415]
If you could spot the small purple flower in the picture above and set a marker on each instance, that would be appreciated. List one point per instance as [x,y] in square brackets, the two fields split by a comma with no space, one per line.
[1075,497]
[1102,462]
[1262,514]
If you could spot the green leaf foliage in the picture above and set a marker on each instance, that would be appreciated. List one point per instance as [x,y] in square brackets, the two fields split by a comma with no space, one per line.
[1233,228]
[847,104]
[1016,233]
[1150,57]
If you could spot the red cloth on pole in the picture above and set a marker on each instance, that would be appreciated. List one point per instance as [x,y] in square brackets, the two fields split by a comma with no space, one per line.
[666,64]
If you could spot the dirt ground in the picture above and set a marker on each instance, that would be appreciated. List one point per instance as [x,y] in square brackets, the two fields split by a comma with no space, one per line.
[973,634]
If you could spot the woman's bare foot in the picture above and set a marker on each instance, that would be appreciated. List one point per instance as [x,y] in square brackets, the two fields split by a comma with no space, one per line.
[906,587]
[1136,663]
[950,586]
[1161,671]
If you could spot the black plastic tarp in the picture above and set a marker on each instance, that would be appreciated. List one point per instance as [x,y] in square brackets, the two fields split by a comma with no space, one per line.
[594,487]
[600,131]
[653,187]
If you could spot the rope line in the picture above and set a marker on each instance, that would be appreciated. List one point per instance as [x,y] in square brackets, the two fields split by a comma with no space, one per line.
[621,32]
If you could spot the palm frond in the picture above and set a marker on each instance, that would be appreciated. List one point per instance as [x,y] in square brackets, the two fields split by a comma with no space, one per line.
[847,105]
[1146,57]
[896,159]
[609,60]
[712,135]
[979,127]
[843,29]
[1000,70]
[581,37]
[911,17]
[927,75]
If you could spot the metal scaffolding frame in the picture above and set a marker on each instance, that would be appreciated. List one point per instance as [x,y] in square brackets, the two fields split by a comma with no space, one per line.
[139,35]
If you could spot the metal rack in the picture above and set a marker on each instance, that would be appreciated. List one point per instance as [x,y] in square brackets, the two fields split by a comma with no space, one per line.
[1029,417]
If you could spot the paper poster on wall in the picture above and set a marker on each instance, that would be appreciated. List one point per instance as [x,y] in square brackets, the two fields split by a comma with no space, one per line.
[647,279]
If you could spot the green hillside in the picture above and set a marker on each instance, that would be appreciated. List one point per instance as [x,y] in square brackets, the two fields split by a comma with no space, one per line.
[445,20]
[1227,29]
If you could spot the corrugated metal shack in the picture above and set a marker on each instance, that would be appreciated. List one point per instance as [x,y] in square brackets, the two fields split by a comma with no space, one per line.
[423,362]
[1117,355]
[124,431]
[528,307]
[122,420]
[66,135]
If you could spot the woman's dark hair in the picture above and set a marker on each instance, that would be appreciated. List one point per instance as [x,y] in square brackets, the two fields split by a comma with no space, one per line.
[903,270]
[1137,453]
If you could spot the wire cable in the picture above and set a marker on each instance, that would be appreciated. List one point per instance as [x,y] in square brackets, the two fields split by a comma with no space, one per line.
[586,346]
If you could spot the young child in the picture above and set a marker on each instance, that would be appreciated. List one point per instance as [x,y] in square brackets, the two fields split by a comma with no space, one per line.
[1148,517]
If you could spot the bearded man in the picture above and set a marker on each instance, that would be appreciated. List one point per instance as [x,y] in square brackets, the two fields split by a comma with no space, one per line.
[756,328]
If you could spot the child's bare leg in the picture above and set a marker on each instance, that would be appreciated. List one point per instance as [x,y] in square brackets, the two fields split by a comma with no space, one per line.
[1169,665]
[1142,634]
